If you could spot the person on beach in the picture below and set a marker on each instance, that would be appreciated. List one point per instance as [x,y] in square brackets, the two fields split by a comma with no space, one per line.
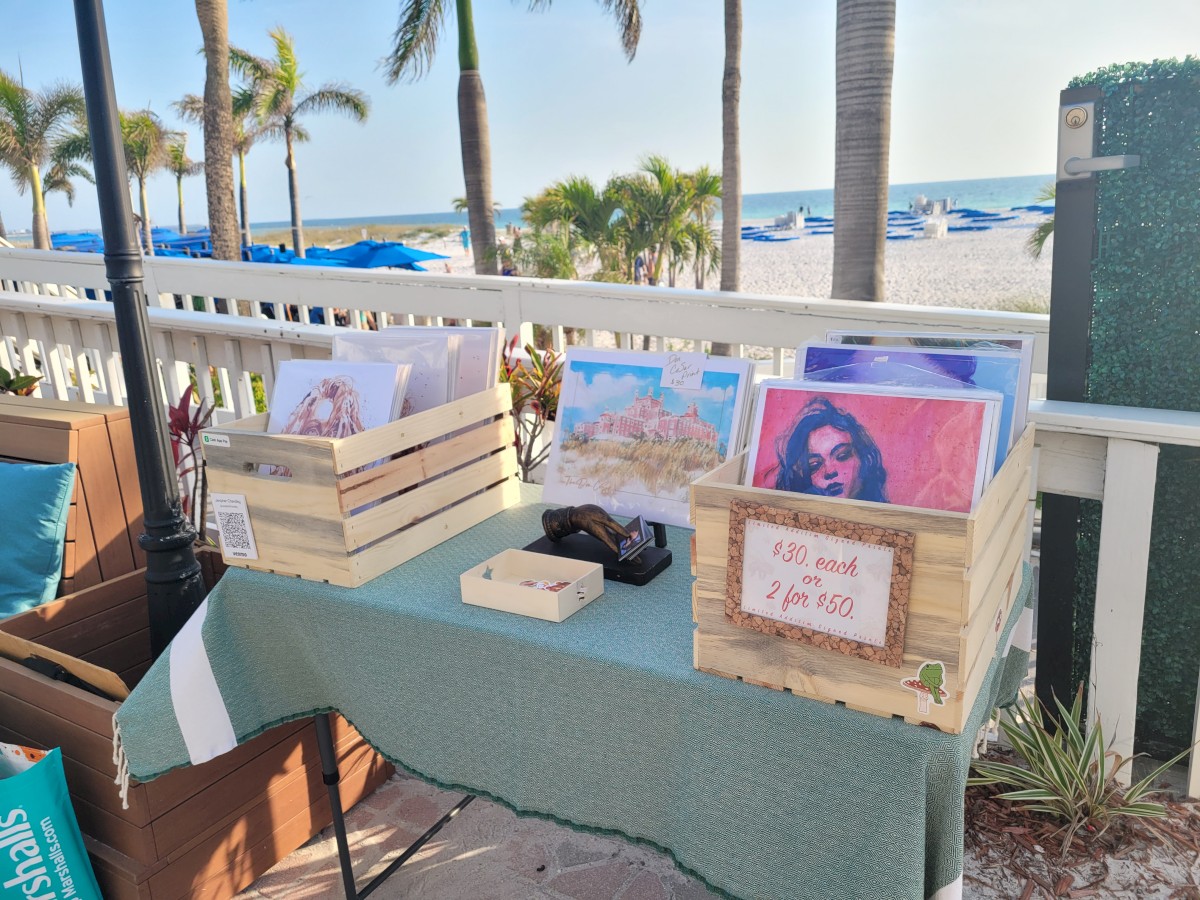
[829,453]
[639,269]
[465,237]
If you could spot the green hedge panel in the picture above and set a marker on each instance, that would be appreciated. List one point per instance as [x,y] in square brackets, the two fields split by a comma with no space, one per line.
[1144,352]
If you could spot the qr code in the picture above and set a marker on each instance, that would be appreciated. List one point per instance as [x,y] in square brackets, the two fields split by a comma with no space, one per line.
[233,531]
[233,520]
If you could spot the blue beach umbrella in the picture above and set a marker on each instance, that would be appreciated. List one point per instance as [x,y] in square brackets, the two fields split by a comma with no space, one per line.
[374,254]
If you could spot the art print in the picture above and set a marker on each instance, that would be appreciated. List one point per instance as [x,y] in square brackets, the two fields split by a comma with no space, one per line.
[625,441]
[993,370]
[905,446]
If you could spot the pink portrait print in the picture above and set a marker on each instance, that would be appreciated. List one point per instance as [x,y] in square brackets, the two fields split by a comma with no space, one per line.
[929,446]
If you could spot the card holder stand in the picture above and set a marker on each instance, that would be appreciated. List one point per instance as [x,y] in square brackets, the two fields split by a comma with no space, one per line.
[640,570]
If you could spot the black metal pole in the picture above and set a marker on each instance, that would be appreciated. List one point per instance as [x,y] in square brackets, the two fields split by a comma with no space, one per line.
[173,580]
[1071,300]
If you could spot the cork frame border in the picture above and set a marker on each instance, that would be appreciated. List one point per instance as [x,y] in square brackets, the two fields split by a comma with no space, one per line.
[892,653]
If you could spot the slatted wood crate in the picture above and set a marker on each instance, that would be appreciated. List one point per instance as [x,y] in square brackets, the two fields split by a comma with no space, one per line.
[334,520]
[966,573]
[205,831]
[106,506]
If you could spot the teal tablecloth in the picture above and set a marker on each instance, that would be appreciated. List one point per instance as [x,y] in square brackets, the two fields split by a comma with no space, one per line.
[599,722]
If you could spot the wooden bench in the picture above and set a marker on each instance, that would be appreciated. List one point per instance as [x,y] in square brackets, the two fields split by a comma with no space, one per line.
[106,506]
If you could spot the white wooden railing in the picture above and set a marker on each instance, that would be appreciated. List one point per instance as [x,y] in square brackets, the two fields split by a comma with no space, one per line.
[46,327]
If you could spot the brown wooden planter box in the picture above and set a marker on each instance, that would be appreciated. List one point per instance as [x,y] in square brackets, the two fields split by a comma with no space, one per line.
[106,505]
[204,831]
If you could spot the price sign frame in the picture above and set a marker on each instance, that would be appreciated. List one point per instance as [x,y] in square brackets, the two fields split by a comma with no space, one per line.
[901,542]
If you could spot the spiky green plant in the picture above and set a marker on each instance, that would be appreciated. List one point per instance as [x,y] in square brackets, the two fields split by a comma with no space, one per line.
[1070,776]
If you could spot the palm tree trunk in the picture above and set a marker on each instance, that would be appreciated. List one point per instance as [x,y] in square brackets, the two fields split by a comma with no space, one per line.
[179,191]
[218,129]
[866,49]
[294,197]
[731,160]
[145,208]
[41,231]
[246,238]
[476,148]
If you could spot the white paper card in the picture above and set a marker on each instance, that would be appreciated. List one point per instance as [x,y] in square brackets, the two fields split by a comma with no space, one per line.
[829,584]
[684,371]
[233,521]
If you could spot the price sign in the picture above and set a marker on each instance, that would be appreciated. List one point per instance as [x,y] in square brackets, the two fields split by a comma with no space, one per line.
[684,371]
[828,582]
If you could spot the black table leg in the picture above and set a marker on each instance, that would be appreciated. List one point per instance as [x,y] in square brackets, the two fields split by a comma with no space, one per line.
[331,776]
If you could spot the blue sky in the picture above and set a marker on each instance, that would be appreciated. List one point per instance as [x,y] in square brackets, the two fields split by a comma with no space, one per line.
[975,92]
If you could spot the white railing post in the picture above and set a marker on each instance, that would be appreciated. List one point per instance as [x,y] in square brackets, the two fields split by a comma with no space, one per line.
[1131,471]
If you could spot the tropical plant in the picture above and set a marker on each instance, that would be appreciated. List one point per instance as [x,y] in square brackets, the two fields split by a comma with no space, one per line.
[181,166]
[731,160]
[280,103]
[1036,242]
[147,144]
[184,424]
[16,383]
[866,47]
[32,124]
[546,253]
[414,46]
[246,131]
[218,129]
[536,381]
[1069,776]
[588,217]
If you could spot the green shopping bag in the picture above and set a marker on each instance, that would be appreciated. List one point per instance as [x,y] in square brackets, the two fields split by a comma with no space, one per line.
[41,850]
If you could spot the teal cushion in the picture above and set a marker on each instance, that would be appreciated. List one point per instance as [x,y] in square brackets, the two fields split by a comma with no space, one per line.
[37,499]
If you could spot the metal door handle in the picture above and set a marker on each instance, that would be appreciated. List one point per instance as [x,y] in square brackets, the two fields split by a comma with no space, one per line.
[1077,166]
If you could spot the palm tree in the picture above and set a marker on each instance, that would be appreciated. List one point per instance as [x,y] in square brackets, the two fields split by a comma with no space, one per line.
[218,129]
[1036,242]
[32,123]
[181,166]
[245,132]
[586,215]
[731,160]
[147,144]
[866,49]
[459,205]
[277,85]
[414,46]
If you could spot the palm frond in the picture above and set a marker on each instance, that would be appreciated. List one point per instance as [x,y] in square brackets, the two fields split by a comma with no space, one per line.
[415,41]
[190,108]
[628,16]
[336,98]
[249,66]
[286,66]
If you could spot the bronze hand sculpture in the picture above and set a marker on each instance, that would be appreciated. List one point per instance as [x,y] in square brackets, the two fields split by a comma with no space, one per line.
[559,523]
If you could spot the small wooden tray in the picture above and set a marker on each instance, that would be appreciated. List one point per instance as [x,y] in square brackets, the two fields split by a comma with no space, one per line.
[496,584]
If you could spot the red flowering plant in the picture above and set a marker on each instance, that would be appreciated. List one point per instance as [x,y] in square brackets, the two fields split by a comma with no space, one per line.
[535,377]
[184,422]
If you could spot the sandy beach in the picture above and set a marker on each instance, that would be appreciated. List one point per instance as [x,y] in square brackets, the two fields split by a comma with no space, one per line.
[974,269]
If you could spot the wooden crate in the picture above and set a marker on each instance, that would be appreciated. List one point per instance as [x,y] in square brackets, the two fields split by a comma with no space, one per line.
[106,507]
[966,573]
[418,493]
[205,831]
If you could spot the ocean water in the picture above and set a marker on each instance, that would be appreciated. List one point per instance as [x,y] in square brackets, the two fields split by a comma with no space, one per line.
[976,193]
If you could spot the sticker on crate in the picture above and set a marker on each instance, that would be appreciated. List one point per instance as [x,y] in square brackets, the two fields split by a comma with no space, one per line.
[828,582]
[233,524]
[931,675]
